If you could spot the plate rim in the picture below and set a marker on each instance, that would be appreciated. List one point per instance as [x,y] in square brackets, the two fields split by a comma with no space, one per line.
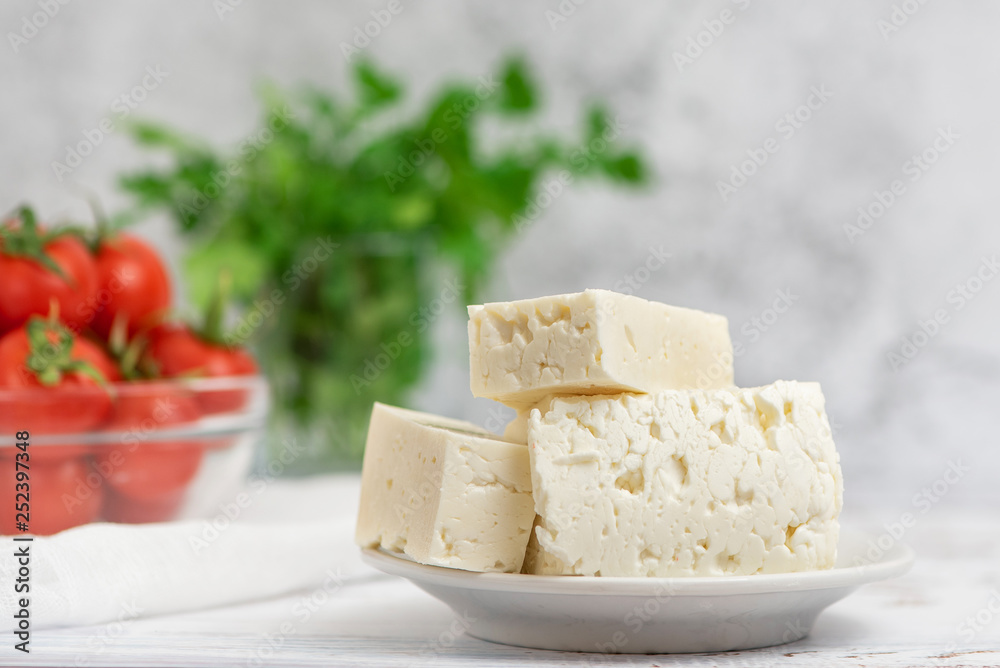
[893,562]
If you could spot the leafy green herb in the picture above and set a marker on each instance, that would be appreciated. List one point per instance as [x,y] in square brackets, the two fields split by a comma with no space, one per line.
[339,224]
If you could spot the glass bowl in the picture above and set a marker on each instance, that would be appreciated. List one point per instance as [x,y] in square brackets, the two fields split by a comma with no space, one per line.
[145,451]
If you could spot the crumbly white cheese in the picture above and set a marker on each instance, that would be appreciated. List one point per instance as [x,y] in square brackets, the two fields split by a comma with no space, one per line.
[685,482]
[444,492]
[594,342]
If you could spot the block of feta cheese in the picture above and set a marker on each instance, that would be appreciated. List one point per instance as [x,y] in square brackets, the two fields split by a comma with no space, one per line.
[594,342]
[685,483]
[444,492]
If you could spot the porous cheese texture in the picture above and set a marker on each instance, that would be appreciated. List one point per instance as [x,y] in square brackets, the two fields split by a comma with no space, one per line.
[685,483]
[594,342]
[444,492]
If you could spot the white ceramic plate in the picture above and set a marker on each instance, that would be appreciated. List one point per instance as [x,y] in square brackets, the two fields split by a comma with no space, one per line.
[650,615]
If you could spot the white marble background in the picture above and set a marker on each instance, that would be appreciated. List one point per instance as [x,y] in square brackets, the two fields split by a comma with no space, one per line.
[898,430]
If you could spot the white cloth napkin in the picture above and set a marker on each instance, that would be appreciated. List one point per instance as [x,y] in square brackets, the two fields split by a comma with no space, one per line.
[106,572]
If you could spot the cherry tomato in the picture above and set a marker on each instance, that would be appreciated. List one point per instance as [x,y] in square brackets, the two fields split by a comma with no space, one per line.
[61,494]
[37,269]
[51,383]
[121,508]
[151,469]
[142,407]
[132,284]
[177,351]
[143,467]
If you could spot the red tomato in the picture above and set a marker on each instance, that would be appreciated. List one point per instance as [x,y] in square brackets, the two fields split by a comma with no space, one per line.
[61,495]
[142,467]
[120,508]
[42,388]
[132,283]
[152,469]
[145,406]
[177,351]
[28,286]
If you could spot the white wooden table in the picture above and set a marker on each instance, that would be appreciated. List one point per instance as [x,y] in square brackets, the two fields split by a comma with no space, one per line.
[946,612]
